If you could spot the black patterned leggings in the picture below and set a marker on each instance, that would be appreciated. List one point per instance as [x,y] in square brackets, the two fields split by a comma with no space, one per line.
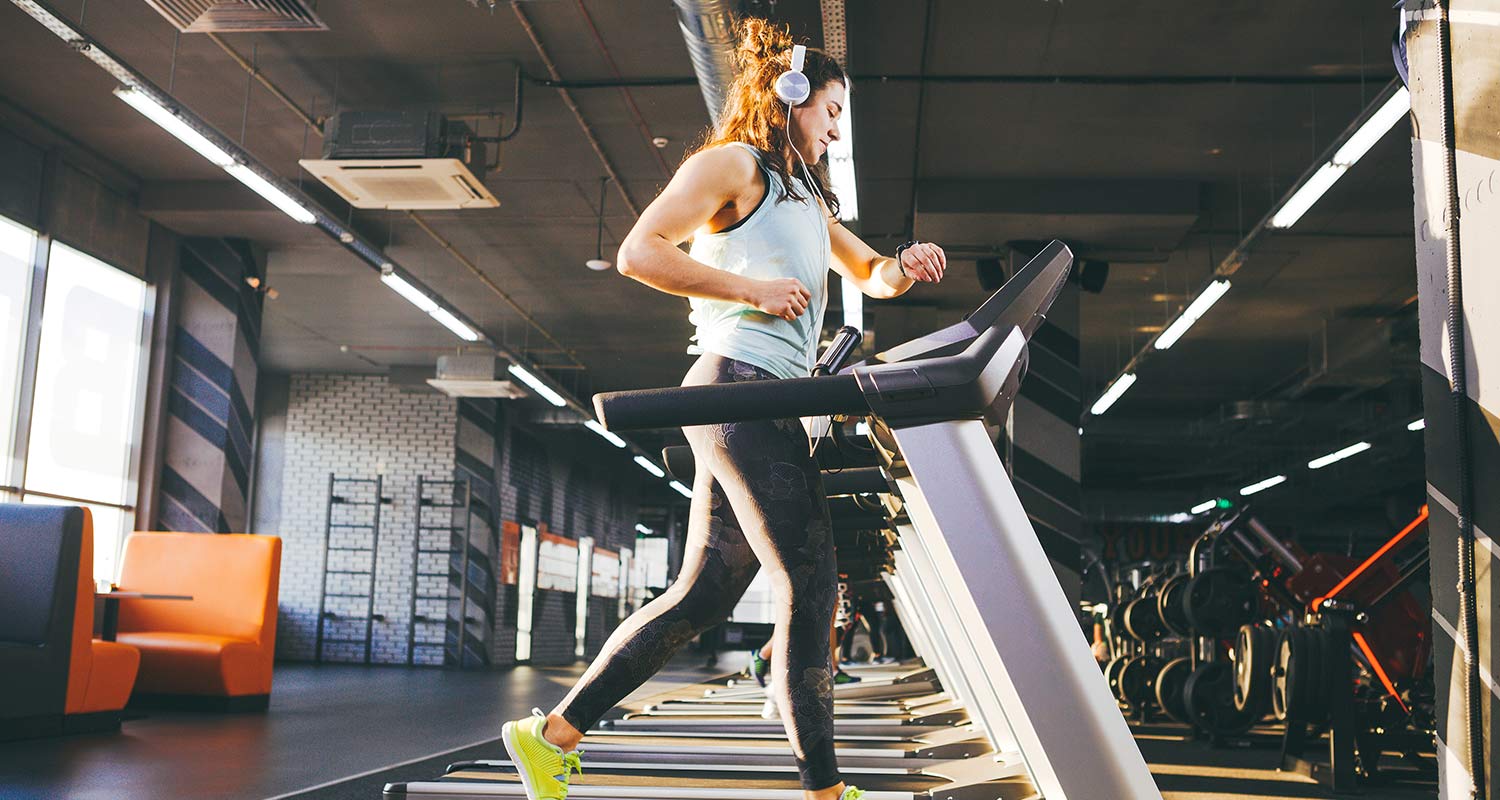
[757,501]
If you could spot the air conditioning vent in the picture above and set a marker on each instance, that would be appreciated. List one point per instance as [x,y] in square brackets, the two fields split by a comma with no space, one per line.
[417,184]
[238,16]
[402,160]
[474,376]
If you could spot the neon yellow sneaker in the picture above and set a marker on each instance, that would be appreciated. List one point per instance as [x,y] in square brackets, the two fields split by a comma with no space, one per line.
[852,793]
[544,768]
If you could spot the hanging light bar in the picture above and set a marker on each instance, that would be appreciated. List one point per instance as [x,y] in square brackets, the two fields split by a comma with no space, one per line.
[682,490]
[412,294]
[1263,485]
[537,386]
[1395,108]
[463,331]
[643,530]
[1191,314]
[1338,455]
[1417,424]
[173,124]
[1206,505]
[650,466]
[1113,393]
[604,432]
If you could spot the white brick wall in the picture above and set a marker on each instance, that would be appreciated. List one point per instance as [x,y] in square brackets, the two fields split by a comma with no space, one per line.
[355,426]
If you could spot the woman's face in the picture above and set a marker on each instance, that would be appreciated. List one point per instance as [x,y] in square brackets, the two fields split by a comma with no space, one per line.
[815,123]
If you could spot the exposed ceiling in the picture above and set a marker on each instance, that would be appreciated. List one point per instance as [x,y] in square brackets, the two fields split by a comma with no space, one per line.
[1150,140]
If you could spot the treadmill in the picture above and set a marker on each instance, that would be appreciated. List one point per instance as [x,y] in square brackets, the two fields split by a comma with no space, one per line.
[968,554]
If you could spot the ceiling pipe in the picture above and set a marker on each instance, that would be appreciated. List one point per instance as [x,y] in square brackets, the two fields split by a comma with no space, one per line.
[708,30]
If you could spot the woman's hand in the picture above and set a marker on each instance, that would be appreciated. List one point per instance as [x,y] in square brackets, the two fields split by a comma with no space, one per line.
[924,262]
[780,297]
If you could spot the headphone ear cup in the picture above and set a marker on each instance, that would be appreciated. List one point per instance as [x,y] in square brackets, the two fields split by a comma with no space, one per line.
[793,87]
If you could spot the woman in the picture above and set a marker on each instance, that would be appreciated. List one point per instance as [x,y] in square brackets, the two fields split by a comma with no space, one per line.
[756,202]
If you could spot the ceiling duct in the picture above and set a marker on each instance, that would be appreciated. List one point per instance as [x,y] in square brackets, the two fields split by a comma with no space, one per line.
[402,160]
[238,16]
[708,29]
[474,375]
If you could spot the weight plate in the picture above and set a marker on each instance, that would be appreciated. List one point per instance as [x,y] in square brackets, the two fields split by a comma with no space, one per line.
[1138,682]
[1218,601]
[1209,698]
[1142,620]
[1280,670]
[1112,674]
[1254,653]
[1169,606]
[1169,684]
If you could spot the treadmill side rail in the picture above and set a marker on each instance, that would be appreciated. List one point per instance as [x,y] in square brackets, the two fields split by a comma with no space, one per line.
[973,526]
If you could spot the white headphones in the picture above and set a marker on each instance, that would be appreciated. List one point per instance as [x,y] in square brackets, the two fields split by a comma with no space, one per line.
[792,86]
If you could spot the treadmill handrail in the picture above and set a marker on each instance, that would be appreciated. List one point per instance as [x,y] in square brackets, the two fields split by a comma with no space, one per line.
[720,403]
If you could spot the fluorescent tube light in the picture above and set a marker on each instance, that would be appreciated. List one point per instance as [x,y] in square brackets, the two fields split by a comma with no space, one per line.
[682,490]
[1112,393]
[1263,485]
[1303,199]
[540,388]
[1379,123]
[268,190]
[642,529]
[173,124]
[1392,111]
[650,467]
[605,432]
[854,305]
[841,164]
[1191,314]
[1338,455]
[462,331]
[412,294]
[1206,505]
[1417,424]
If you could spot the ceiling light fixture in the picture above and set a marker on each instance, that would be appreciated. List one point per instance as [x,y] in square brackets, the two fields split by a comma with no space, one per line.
[643,530]
[1191,314]
[1338,455]
[537,386]
[461,330]
[1206,505]
[682,490]
[647,465]
[1262,485]
[173,124]
[598,262]
[1113,393]
[1395,108]
[1417,424]
[604,432]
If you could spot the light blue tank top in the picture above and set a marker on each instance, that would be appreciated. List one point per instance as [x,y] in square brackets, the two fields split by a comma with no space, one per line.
[780,239]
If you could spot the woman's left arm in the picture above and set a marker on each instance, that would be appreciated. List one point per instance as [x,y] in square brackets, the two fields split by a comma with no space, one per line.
[880,276]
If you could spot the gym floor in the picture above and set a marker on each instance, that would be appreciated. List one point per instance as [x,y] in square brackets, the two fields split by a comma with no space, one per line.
[337,732]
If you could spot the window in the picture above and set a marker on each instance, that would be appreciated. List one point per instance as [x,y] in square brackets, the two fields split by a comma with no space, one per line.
[85,414]
[17,248]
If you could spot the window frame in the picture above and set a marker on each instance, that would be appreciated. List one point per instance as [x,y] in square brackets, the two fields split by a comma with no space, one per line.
[13,485]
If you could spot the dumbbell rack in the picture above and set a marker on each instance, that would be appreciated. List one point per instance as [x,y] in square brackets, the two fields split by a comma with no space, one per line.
[440,548]
[349,532]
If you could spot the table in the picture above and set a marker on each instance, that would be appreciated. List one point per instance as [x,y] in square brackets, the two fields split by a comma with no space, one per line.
[111,627]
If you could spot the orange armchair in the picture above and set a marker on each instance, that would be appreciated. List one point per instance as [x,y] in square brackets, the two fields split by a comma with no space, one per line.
[216,650]
[59,678]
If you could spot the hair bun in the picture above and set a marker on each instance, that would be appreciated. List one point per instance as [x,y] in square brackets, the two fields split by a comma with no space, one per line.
[761,42]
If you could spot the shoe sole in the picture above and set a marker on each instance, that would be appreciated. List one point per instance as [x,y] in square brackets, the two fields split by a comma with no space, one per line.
[507,737]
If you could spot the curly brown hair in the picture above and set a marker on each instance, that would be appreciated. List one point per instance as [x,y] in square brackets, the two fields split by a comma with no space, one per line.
[752,112]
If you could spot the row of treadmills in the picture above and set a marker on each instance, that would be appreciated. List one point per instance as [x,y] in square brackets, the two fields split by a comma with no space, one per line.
[1006,700]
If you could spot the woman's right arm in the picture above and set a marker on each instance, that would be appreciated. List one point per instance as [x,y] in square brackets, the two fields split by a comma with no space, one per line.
[704,184]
